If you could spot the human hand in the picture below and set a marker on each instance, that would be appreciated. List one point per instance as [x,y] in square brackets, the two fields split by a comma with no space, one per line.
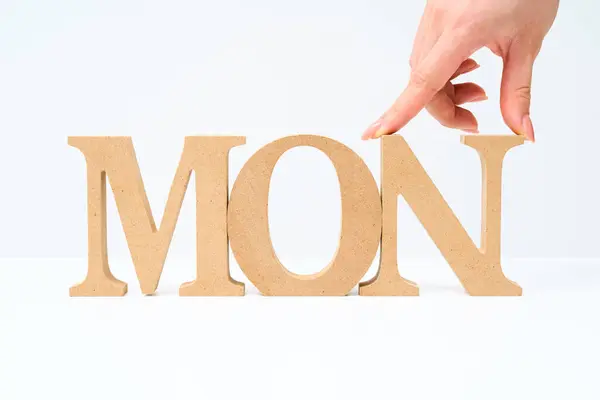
[450,31]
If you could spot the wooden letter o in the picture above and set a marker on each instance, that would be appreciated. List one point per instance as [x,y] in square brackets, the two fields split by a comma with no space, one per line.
[248,223]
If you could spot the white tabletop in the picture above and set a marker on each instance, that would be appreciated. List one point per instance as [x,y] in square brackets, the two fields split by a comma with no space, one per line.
[443,344]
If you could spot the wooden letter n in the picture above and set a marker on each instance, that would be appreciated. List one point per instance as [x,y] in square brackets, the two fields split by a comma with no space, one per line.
[478,270]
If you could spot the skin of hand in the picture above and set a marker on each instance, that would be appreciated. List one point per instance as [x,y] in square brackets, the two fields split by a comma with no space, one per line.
[450,31]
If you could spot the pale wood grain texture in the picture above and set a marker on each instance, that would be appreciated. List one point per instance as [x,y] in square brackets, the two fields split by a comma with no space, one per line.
[478,270]
[245,220]
[249,227]
[212,195]
[115,157]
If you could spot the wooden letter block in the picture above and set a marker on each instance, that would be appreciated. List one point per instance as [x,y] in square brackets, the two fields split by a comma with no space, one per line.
[249,226]
[478,270]
[115,157]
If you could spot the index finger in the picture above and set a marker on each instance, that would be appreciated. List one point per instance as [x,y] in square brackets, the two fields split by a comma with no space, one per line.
[426,80]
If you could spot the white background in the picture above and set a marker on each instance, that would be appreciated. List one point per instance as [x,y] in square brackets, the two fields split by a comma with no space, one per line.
[159,71]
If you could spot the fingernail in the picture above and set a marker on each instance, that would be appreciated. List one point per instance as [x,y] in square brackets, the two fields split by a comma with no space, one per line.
[380,132]
[527,127]
[368,133]
[470,130]
[480,98]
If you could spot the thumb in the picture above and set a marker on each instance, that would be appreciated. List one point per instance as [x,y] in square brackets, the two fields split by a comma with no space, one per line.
[515,91]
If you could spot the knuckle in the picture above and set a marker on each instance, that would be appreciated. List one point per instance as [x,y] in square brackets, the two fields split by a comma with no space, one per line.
[446,124]
[448,115]
[523,93]
[445,116]
[464,27]
[421,81]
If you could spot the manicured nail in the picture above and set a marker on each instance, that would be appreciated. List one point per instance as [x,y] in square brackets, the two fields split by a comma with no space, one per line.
[373,127]
[380,132]
[528,128]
